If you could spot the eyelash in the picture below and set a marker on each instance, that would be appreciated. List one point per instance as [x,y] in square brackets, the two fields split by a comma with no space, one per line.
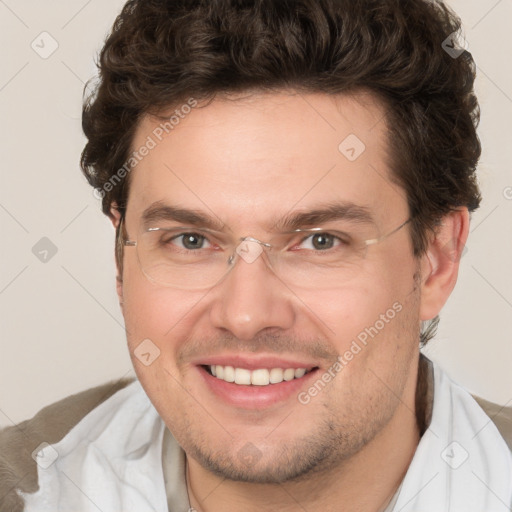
[181,235]
[338,239]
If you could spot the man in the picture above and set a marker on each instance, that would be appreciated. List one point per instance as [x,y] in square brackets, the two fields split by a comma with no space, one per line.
[290,184]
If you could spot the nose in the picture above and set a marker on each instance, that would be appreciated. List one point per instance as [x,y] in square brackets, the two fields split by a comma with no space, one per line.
[251,297]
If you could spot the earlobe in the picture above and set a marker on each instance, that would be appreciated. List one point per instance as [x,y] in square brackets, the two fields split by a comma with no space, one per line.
[440,263]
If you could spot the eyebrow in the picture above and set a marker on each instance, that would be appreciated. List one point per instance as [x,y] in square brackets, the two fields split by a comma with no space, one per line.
[159,211]
[343,210]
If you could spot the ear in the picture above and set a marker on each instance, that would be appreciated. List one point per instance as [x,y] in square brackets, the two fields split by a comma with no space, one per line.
[115,217]
[440,263]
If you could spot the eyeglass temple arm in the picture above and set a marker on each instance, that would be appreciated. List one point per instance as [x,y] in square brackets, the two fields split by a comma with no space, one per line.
[374,241]
[132,243]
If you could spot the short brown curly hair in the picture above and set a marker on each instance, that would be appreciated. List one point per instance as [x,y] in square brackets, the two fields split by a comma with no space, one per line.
[161,52]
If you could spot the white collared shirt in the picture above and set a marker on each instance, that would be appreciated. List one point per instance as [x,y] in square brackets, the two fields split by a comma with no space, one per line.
[112,461]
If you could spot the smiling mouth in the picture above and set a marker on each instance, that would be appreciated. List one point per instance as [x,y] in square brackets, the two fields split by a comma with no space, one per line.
[258,377]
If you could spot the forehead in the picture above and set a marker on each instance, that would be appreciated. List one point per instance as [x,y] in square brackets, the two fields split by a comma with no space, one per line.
[246,159]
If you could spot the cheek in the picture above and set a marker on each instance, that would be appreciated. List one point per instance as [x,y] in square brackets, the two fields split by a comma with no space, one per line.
[152,312]
[157,322]
[352,310]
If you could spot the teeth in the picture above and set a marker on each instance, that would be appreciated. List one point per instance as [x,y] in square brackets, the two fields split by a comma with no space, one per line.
[276,375]
[229,374]
[259,377]
[242,376]
[289,374]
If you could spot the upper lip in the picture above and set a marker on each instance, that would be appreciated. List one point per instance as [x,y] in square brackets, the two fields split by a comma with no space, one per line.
[254,362]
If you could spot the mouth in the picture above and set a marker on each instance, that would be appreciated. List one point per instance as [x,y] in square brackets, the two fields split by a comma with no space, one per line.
[259,387]
[257,377]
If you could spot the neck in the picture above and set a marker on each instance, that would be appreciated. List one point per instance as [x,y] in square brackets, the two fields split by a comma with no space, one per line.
[364,483]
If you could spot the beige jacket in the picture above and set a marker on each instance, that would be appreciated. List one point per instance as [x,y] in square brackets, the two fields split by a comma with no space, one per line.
[18,470]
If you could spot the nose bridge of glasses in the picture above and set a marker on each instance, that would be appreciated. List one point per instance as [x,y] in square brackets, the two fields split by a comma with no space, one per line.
[254,240]
[248,249]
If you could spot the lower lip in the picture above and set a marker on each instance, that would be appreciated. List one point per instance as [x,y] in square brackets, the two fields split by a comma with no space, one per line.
[255,397]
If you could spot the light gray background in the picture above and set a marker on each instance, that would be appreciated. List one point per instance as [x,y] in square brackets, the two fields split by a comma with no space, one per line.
[61,328]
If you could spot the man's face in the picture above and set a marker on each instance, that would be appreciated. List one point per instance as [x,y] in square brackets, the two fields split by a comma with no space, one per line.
[250,163]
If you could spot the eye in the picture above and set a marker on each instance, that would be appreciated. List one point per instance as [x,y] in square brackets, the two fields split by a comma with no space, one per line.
[321,241]
[188,241]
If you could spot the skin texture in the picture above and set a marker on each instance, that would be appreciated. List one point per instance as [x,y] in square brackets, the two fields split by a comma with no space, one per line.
[249,161]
